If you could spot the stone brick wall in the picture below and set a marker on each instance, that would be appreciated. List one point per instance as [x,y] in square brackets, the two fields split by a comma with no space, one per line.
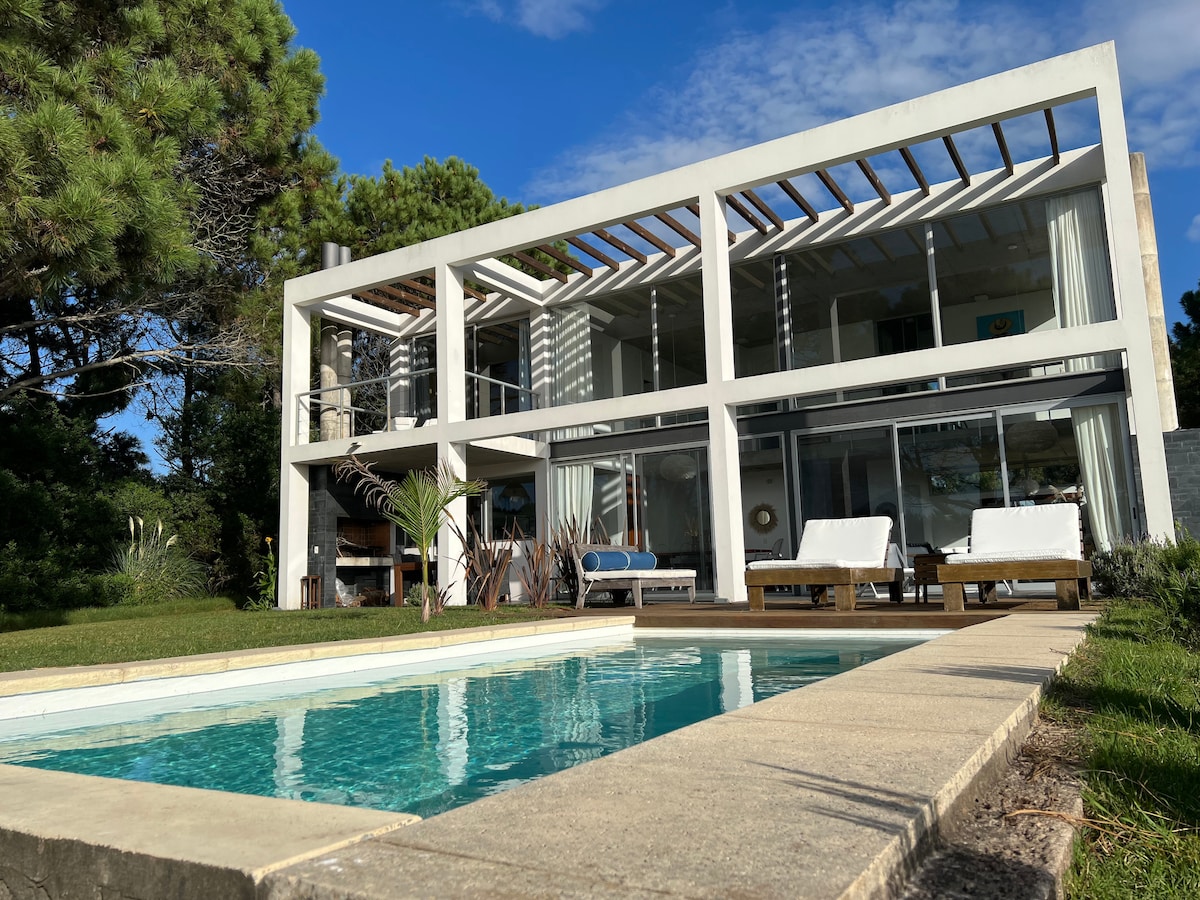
[1183,473]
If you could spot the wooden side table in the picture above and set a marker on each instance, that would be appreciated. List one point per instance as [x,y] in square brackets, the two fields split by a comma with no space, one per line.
[925,573]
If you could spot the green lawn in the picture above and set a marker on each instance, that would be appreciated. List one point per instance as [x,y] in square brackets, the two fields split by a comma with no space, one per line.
[123,634]
[1134,695]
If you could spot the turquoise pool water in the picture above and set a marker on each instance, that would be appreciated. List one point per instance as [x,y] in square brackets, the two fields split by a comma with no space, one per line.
[430,742]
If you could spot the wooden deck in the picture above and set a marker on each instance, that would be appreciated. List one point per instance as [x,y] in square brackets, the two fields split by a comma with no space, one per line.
[797,612]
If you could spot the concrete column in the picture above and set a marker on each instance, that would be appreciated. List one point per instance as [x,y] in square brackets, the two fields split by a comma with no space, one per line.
[729,553]
[1145,419]
[451,346]
[1148,243]
[541,356]
[293,479]
[450,570]
[331,425]
[345,375]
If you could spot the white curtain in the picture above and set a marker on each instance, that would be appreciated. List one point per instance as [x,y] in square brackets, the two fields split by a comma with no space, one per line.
[1099,442]
[1079,265]
[572,356]
[573,489]
[572,375]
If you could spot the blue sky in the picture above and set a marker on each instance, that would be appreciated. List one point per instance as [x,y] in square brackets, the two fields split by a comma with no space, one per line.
[554,98]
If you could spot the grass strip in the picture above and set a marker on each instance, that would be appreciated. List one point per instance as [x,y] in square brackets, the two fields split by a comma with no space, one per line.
[1133,694]
[125,634]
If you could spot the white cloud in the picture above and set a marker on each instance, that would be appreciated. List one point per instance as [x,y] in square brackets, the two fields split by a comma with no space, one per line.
[806,68]
[545,18]
[1193,232]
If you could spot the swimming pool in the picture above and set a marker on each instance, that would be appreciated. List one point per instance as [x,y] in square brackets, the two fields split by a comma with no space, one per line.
[423,741]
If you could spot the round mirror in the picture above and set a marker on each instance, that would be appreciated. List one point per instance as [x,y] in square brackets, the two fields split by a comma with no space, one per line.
[763,518]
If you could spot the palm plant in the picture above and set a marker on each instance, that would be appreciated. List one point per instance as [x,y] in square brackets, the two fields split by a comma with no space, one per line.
[417,504]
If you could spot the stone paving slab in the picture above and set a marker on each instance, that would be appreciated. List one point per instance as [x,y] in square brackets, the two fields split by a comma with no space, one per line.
[75,835]
[819,793]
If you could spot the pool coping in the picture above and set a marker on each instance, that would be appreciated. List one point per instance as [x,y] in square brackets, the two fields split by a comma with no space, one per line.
[835,790]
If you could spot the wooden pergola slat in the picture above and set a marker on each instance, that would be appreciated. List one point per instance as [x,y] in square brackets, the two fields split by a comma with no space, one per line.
[375,298]
[594,252]
[761,205]
[865,168]
[566,259]
[1002,144]
[917,174]
[614,241]
[679,228]
[650,237]
[538,266]
[832,186]
[1054,152]
[952,149]
[405,295]
[796,197]
[740,208]
[419,288]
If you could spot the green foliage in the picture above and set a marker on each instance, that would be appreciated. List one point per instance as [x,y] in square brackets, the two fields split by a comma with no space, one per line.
[207,625]
[487,564]
[57,522]
[537,572]
[155,569]
[1132,694]
[1185,361]
[1167,573]
[417,504]
[139,143]
[267,582]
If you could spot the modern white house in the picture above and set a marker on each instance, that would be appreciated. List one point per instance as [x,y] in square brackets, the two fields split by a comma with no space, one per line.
[918,311]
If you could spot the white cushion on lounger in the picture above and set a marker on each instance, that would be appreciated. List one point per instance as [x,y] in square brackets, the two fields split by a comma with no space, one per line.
[623,574]
[848,543]
[1012,556]
[810,564]
[1000,534]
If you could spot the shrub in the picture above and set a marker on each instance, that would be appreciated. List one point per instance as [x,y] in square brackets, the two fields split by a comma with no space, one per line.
[156,570]
[1166,573]
[1129,569]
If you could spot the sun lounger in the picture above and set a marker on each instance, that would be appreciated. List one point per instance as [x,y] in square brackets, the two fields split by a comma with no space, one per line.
[838,552]
[1020,542]
[610,567]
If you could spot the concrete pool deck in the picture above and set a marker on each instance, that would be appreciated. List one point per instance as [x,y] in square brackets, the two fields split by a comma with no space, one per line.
[835,790]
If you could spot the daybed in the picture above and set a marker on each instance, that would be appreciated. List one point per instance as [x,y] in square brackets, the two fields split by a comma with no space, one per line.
[607,568]
[1029,542]
[838,552]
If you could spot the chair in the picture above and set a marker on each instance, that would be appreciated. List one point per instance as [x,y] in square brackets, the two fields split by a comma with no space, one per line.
[838,552]
[611,573]
[1020,542]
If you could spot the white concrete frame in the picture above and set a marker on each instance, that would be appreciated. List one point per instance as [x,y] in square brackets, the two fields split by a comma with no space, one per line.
[474,253]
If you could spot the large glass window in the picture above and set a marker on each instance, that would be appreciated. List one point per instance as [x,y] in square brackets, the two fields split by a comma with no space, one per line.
[765,509]
[994,273]
[629,342]
[500,355]
[1072,456]
[755,328]
[861,298]
[594,496]
[675,518]
[847,473]
[1034,265]
[947,471]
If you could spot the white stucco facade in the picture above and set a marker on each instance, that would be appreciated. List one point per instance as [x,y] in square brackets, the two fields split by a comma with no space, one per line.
[458,268]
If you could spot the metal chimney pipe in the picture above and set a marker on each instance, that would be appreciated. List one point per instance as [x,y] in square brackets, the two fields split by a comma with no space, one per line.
[329,254]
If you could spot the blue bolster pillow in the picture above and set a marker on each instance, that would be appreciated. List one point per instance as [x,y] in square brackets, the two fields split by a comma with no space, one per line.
[605,561]
[616,560]
[642,560]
